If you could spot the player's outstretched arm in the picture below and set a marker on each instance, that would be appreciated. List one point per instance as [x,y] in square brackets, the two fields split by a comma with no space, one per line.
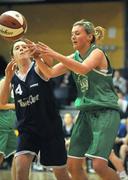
[5,84]
[7,106]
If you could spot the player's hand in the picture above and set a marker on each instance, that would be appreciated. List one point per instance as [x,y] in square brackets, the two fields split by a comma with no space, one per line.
[10,70]
[46,50]
[34,51]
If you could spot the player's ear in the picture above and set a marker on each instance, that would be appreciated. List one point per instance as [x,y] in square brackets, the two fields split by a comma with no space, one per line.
[89,37]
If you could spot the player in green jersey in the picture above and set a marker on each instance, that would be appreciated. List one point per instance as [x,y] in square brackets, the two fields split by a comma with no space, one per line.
[8,139]
[97,124]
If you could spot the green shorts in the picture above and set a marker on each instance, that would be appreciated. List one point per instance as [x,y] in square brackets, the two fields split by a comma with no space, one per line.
[94,134]
[8,142]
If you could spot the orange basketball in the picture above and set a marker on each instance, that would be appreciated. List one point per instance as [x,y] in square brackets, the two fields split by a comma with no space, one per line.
[13,25]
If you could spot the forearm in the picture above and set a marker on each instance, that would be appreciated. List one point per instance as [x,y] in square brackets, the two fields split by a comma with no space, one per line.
[47,60]
[5,91]
[71,64]
[44,68]
[50,72]
[7,106]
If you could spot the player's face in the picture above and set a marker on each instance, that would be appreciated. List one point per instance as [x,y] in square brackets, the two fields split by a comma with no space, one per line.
[20,51]
[79,38]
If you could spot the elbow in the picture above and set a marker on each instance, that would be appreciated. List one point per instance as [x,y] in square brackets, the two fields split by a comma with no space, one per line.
[49,76]
[82,72]
[3,101]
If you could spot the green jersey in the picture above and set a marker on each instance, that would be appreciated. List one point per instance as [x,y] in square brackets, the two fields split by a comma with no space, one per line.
[95,89]
[7,117]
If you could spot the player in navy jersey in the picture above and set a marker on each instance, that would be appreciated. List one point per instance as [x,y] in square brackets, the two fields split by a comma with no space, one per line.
[38,121]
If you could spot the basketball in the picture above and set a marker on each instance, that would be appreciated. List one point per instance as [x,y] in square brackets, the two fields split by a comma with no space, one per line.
[13,25]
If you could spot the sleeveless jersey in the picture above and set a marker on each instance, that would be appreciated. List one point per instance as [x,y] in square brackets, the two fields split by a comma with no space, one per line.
[7,117]
[95,89]
[35,105]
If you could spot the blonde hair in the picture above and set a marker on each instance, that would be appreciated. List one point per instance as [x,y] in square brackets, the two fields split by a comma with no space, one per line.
[97,32]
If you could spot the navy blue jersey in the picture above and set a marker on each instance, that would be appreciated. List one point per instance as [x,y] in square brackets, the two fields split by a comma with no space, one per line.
[35,105]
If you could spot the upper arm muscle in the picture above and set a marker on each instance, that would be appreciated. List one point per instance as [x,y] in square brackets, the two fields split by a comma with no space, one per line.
[94,60]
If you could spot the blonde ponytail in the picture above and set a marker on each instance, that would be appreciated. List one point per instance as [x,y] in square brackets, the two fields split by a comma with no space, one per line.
[99,33]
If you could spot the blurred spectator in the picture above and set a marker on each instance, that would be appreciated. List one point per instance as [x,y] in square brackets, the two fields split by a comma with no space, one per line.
[123,104]
[68,127]
[119,81]
[115,157]
[118,165]
[122,131]
[124,146]
[64,89]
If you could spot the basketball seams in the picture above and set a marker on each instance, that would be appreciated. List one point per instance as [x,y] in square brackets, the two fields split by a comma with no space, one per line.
[16,15]
[13,25]
[9,22]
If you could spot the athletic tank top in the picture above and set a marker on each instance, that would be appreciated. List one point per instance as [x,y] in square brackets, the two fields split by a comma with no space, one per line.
[35,106]
[95,89]
[7,117]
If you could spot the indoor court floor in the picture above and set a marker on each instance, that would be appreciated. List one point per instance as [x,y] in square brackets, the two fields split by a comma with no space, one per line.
[5,175]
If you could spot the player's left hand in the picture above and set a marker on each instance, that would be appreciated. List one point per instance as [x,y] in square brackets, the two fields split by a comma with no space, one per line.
[10,69]
[46,50]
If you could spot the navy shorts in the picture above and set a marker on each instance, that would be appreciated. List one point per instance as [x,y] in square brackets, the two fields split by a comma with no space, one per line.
[52,151]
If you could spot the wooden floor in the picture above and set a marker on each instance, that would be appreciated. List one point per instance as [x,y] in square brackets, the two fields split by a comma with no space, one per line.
[5,175]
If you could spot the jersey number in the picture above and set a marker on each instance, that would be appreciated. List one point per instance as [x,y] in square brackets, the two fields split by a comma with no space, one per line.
[18,90]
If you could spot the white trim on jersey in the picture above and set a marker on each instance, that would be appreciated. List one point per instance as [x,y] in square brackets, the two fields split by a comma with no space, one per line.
[21,76]
[25,152]
[93,156]
[102,72]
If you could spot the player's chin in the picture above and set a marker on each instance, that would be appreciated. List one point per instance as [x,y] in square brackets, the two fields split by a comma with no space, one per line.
[24,56]
[75,46]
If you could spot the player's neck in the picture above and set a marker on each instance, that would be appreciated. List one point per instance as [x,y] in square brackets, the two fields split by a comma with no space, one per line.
[23,68]
[84,50]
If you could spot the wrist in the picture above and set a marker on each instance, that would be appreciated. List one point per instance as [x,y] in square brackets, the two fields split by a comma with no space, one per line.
[38,58]
[7,80]
[56,55]
[41,60]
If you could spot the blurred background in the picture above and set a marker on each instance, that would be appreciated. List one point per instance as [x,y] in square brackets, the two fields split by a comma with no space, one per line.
[51,22]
